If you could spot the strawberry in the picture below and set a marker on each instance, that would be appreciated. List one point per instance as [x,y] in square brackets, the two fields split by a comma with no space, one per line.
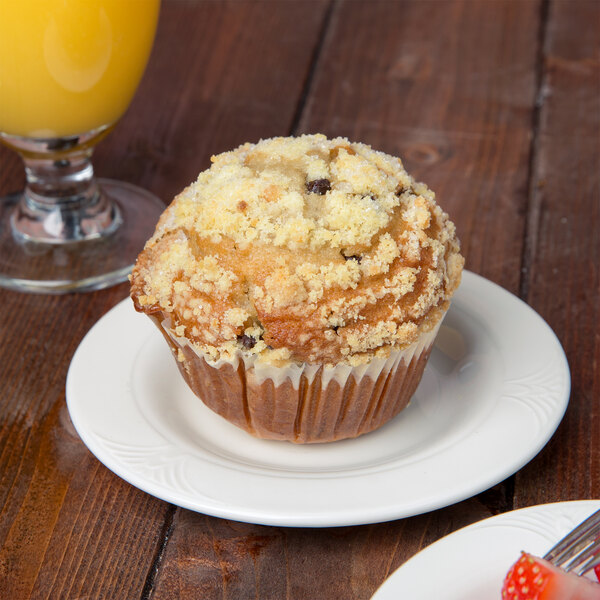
[597,571]
[532,578]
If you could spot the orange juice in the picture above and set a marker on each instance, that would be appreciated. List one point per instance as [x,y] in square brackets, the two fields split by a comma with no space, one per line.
[71,66]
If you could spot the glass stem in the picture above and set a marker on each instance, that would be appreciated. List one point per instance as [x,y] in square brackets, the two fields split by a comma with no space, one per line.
[62,201]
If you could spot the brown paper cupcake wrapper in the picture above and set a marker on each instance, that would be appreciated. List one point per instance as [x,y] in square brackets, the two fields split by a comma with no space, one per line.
[303,403]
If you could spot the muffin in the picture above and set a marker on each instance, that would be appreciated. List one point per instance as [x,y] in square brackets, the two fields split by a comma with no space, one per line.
[300,283]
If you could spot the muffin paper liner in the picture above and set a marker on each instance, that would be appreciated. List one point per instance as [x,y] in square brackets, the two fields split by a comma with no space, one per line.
[302,403]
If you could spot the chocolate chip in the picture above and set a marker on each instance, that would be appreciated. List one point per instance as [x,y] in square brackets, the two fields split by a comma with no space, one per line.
[355,257]
[247,341]
[318,186]
[400,190]
[335,328]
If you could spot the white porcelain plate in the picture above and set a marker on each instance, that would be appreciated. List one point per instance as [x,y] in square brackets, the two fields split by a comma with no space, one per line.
[493,393]
[471,563]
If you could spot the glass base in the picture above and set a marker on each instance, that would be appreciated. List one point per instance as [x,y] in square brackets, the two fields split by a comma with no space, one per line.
[91,264]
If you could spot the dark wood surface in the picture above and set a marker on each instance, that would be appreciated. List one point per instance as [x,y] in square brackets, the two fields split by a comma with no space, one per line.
[496,104]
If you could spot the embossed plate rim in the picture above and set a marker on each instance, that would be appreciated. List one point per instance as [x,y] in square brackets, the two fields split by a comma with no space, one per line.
[533,393]
[464,572]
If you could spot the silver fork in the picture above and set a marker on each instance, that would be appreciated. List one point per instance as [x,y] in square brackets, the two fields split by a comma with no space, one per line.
[579,551]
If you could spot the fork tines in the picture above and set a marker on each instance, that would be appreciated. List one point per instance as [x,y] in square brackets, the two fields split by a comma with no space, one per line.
[578,551]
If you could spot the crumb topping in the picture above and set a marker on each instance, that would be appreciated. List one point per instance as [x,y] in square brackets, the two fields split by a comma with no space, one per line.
[303,249]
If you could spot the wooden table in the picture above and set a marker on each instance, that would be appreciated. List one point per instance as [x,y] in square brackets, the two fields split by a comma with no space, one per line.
[494,103]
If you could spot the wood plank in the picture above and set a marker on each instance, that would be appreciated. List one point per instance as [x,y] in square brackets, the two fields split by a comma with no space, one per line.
[563,253]
[450,88]
[221,73]
[66,523]
[461,113]
[232,73]
[217,559]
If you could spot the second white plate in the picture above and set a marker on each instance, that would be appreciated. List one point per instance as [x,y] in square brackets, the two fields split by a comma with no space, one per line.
[471,563]
[493,393]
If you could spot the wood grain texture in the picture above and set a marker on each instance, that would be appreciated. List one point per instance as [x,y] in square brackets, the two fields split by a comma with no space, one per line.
[66,523]
[68,527]
[563,251]
[494,104]
[450,88]
[461,114]
[214,559]
[222,73]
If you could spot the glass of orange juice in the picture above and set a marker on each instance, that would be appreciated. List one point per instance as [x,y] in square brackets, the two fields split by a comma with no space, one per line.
[68,72]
